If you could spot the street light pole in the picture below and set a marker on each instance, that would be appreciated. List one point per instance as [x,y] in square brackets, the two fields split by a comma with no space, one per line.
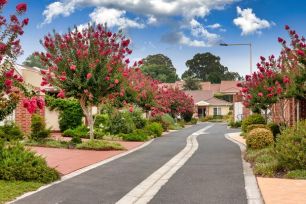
[241,44]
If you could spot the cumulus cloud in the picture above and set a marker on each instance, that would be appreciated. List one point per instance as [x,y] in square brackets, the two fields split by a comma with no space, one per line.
[182,39]
[198,30]
[113,18]
[249,23]
[214,26]
[187,9]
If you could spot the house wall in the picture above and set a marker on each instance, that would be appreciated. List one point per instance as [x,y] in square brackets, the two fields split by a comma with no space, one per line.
[224,110]
[51,118]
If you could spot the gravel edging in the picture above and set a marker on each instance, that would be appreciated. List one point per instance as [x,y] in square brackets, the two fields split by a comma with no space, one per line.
[251,187]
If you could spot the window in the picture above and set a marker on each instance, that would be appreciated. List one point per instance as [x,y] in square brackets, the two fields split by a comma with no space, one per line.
[217,111]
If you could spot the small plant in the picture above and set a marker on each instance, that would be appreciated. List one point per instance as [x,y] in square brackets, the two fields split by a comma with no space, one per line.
[259,138]
[252,119]
[154,129]
[137,135]
[194,121]
[266,165]
[275,128]
[99,145]
[234,124]
[254,126]
[138,119]
[291,147]
[10,132]
[80,131]
[18,163]
[121,122]
[38,128]
[296,174]
[76,139]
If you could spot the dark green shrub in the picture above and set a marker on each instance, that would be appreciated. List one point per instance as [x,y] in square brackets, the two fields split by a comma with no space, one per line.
[194,121]
[121,122]
[80,131]
[187,116]
[137,135]
[259,138]
[70,111]
[38,128]
[252,119]
[154,129]
[291,147]
[254,126]
[76,139]
[18,163]
[138,119]
[10,132]
[275,128]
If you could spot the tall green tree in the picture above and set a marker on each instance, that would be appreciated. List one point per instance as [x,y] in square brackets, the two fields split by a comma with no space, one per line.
[33,60]
[160,67]
[192,84]
[207,67]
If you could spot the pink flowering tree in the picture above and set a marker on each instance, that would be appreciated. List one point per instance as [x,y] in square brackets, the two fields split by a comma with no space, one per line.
[87,65]
[11,83]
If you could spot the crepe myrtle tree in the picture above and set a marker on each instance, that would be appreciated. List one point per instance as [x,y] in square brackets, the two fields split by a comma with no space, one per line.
[86,64]
[11,83]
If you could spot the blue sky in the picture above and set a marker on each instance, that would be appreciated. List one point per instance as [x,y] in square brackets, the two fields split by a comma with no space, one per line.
[176,28]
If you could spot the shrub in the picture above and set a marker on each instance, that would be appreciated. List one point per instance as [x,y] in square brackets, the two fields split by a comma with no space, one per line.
[275,128]
[38,128]
[254,126]
[154,129]
[18,163]
[187,116]
[259,138]
[137,135]
[138,119]
[76,139]
[102,120]
[266,165]
[181,123]
[252,119]
[252,154]
[234,124]
[80,131]
[291,147]
[165,120]
[194,121]
[10,132]
[296,174]
[99,145]
[121,122]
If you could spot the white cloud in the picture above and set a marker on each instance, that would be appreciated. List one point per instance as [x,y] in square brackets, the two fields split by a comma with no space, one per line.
[198,30]
[151,20]
[184,40]
[113,18]
[188,9]
[214,26]
[249,23]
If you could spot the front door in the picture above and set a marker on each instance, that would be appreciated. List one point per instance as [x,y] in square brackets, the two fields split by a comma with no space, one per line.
[201,112]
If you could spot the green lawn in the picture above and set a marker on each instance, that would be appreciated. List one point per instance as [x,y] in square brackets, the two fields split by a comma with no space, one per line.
[12,189]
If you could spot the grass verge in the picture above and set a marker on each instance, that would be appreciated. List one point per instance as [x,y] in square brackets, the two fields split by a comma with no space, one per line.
[12,189]
[99,145]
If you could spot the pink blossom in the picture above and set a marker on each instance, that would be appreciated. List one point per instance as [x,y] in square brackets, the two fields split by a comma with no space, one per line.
[73,67]
[88,76]
[22,7]
[61,94]
[116,81]
[260,94]
[300,52]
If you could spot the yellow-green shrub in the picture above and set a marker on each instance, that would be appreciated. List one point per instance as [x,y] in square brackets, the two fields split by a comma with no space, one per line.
[252,127]
[259,138]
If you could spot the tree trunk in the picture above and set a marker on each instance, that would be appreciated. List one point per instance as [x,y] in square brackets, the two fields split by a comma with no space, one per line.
[297,110]
[87,110]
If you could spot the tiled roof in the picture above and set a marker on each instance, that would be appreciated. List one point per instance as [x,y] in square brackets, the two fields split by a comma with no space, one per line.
[229,86]
[200,95]
[218,102]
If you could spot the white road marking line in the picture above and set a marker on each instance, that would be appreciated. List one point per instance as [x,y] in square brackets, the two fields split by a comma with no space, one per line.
[149,187]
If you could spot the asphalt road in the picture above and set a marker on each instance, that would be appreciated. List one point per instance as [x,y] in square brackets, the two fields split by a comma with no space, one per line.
[212,175]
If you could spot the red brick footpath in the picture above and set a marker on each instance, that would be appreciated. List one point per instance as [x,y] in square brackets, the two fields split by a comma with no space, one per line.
[69,160]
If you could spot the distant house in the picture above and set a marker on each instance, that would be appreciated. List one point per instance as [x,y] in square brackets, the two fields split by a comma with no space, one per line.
[213,99]
[207,105]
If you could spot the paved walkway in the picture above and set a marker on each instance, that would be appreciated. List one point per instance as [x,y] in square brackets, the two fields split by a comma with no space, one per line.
[69,160]
[213,174]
